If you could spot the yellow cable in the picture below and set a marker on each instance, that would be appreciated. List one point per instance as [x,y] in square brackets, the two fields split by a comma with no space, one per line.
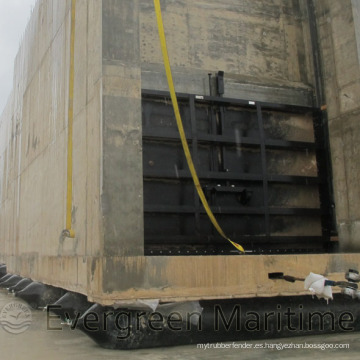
[70,232]
[181,128]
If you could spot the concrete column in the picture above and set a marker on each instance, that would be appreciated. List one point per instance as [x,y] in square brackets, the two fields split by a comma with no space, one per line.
[339,38]
[122,202]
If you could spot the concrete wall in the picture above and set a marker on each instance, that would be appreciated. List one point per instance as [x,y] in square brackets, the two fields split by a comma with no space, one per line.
[122,200]
[263,47]
[33,148]
[265,50]
[339,39]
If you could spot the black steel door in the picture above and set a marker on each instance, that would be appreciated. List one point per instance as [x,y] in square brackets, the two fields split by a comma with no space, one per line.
[261,167]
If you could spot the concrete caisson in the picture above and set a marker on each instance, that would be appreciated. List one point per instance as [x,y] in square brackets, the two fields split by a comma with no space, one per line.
[266,51]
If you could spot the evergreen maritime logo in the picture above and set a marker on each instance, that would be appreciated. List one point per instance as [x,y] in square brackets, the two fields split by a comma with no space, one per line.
[15,317]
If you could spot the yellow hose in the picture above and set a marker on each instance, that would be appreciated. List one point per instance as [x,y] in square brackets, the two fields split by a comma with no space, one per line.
[69,231]
[181,128]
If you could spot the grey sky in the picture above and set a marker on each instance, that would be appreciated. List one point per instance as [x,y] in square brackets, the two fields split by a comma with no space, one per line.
[14,15]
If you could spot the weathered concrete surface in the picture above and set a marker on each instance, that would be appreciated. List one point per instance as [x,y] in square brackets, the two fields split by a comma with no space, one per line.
[176,278]
[33,148]
[122,200]
[339,39]
[263,47]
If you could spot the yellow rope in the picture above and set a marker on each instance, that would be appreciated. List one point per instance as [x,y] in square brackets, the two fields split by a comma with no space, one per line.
[69,230]
[181,128]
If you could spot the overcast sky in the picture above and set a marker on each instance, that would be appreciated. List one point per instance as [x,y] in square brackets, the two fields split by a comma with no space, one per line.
[14,15]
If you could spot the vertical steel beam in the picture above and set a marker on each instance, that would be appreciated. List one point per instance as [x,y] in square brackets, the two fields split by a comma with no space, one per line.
[264,169]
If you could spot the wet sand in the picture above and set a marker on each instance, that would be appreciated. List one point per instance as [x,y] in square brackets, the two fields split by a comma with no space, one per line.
[37,342]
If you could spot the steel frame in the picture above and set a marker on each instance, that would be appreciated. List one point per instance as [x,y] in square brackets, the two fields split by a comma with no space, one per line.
[213,244]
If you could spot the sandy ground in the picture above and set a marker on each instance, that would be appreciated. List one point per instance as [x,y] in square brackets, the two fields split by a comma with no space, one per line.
[37,342]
